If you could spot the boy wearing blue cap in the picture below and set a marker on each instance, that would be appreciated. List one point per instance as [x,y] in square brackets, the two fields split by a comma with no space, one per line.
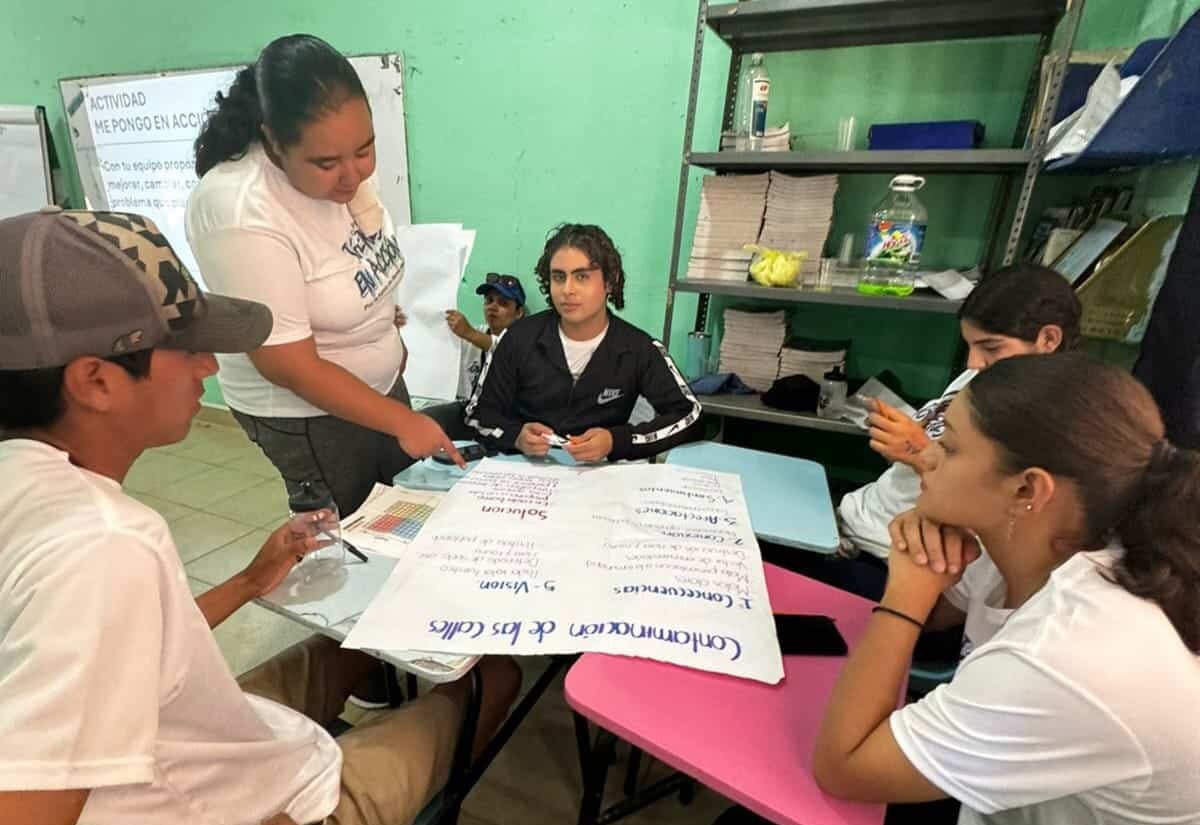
[503,305]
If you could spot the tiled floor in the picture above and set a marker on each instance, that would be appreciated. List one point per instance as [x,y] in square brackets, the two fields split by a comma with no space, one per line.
[221,498]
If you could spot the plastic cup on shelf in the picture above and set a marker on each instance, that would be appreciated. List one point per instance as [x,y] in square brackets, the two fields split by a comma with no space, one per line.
[824,279]
[847,133]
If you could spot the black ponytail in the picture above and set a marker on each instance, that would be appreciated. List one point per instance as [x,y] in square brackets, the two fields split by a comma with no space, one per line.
[1094,424]
[1161,535]
[232,126]
[295,80]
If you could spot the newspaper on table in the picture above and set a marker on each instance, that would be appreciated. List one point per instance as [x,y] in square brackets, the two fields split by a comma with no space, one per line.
[650,560]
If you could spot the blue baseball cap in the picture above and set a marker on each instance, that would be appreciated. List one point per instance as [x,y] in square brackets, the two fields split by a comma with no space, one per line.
[507,285]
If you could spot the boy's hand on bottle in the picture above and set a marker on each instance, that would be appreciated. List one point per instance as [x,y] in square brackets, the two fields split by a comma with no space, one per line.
[399,319]
[283,550]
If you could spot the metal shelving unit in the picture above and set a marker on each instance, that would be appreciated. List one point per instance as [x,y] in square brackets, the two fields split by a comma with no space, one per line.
[752,407]
[921,301]
[794,25]
[961,161]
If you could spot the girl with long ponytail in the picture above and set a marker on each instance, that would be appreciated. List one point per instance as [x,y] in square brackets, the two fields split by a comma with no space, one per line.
[1083,705]
[287,213]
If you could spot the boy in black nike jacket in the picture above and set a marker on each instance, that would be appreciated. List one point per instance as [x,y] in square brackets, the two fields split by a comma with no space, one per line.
[576,370]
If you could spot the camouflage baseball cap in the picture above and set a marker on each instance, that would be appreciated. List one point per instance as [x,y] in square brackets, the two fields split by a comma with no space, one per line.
[76,283]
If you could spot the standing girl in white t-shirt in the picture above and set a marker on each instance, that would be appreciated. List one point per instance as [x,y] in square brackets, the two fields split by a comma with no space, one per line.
[1084,707]
[287,214]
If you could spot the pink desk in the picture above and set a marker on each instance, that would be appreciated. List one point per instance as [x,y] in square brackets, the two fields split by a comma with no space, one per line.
[748,741]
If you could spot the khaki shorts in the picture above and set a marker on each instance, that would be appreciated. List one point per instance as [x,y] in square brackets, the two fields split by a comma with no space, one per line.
[393,764]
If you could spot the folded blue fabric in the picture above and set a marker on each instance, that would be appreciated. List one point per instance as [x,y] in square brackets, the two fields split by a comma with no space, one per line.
[721,383]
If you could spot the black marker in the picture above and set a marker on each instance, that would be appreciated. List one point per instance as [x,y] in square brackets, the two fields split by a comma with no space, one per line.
[354,551]
[358,554]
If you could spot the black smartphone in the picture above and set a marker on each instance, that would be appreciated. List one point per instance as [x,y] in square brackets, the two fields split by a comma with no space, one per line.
[808,635]
[471,452]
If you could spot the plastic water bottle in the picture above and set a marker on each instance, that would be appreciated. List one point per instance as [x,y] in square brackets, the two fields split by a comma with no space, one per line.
[833,394]
[752,110]
[308,499]
[895,236]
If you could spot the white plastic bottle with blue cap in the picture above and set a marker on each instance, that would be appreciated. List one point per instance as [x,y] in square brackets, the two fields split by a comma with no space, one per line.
[752,106]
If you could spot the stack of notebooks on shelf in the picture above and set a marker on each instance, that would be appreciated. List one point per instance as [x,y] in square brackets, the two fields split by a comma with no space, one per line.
[775,210]
[799,213]
[775,139]
[731,210]
[805,356]
[751,344]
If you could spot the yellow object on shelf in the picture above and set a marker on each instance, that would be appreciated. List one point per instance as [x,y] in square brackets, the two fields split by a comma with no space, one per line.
[775,267]
[1119,295]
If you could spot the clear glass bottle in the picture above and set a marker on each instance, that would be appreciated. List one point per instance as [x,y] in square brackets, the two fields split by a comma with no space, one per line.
[895,237]
[309,498]
[753,93]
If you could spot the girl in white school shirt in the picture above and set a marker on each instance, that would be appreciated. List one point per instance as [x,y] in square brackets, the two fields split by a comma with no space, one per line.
[1084,707]
[287,214]
[1023,309]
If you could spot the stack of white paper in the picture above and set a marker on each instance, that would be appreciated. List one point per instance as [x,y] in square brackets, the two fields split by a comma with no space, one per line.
[806,358]
[731,212]
[751,344]
[775,139]
[798,215]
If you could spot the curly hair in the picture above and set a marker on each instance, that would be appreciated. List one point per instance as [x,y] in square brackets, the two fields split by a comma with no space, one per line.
[592,241]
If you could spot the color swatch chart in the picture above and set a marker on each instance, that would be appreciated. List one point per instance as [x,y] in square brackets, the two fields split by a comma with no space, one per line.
[390,519]
[403,519]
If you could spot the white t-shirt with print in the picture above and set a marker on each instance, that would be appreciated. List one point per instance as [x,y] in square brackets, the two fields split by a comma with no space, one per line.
[471,361]
[579,353]
[980,594]
[110,678]
[1083,708]
[865,513]
[323,273]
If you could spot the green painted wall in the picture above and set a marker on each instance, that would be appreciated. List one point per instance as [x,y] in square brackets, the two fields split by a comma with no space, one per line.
[524,114]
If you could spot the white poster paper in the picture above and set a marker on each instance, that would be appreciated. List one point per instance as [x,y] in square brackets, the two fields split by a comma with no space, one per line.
[134,137]
[144,132]
[649,560]
[435,258]
[22,162]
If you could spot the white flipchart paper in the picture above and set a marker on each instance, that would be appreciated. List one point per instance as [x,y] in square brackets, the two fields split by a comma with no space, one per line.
[435,258]
[649,560]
